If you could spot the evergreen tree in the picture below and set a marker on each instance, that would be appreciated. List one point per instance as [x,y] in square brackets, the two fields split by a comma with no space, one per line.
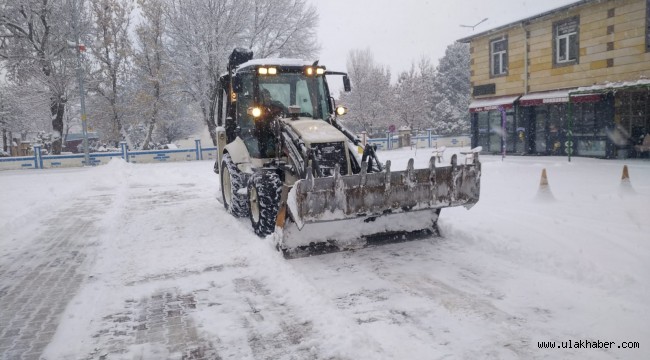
[451,95]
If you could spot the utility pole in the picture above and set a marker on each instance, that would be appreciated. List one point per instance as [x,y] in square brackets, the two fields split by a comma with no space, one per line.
[76,14]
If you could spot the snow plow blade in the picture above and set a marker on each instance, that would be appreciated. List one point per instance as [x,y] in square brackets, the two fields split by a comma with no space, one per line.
[346,212]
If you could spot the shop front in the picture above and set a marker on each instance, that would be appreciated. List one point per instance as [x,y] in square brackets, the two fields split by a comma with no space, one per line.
[604,121]
[633,118]
[591,125]
[559,126]
[546,116]
[493,124]
[611,120]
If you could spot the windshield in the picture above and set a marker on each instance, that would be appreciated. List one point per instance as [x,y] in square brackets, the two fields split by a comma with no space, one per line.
[287,89]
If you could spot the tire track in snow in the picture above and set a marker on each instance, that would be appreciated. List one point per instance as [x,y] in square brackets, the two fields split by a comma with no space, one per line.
[274,332]
[393,286]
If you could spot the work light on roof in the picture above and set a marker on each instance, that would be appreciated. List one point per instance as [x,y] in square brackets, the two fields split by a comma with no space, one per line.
[267,71]
[310,71]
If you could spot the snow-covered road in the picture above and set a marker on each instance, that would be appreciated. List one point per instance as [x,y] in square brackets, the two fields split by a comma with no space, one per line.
[141,261]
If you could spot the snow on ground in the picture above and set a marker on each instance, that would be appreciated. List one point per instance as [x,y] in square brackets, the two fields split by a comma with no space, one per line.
[164,272]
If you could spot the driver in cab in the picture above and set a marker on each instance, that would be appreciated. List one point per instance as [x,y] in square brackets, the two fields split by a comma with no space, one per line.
[274,107]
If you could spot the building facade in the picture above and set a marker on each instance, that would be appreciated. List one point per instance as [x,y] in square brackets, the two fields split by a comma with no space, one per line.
[575,79]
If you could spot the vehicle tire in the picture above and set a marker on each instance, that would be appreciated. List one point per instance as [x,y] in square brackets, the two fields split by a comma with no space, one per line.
[264,189]
[232,180]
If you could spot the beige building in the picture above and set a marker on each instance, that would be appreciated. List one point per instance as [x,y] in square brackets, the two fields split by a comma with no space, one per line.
[574,79]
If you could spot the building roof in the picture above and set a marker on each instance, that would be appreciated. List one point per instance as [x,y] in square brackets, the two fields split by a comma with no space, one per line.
[526,21]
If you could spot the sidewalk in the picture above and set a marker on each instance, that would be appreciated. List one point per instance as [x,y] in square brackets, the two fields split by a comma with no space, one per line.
[38,278]
[48,260]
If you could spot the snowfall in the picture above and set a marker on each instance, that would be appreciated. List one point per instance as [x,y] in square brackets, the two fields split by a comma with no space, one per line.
[147,242]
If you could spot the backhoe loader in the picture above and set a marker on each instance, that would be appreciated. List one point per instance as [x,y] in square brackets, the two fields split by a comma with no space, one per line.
[286,162]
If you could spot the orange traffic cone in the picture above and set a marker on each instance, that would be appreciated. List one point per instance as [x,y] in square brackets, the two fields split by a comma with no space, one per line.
[544,180]
[626,174]
[544,192]
[626,186]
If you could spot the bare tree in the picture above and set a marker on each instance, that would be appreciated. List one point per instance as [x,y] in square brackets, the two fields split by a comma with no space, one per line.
[203,33]
[179,125]
[284,28]
[152,72]
[371,97]
[111,50]
[34,35]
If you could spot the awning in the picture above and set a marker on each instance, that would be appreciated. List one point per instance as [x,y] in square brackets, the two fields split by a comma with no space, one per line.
[480,105]
[595,93]
[611,86]
[586,98]
[547,97]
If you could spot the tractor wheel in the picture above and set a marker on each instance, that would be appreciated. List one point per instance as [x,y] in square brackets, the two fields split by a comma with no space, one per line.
[264,189]
[233,180]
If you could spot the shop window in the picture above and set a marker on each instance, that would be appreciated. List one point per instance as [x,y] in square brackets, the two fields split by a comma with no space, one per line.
[584,119]
[499,56]
[495,132]
[540,129]
[490,131]
[557,122]
[483,130]
[511,137]
[589,129]
[633,112]
[565,39]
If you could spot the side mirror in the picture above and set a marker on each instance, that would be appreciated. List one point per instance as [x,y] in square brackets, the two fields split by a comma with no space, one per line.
[236,84]
[346,84]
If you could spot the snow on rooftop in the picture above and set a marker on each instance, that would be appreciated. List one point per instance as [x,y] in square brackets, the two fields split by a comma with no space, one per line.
[613,85]
[492,103]
[276,61]
[556,94]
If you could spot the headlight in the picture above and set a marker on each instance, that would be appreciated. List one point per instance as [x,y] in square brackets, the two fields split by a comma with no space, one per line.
[254,112]
[341,110]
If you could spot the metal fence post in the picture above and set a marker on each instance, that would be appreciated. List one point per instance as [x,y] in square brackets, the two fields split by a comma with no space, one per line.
[38,160]
[125,151]
[429,136]
[199,151]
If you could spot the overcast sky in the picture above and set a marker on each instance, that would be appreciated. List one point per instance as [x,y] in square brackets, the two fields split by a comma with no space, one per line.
[399,32]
